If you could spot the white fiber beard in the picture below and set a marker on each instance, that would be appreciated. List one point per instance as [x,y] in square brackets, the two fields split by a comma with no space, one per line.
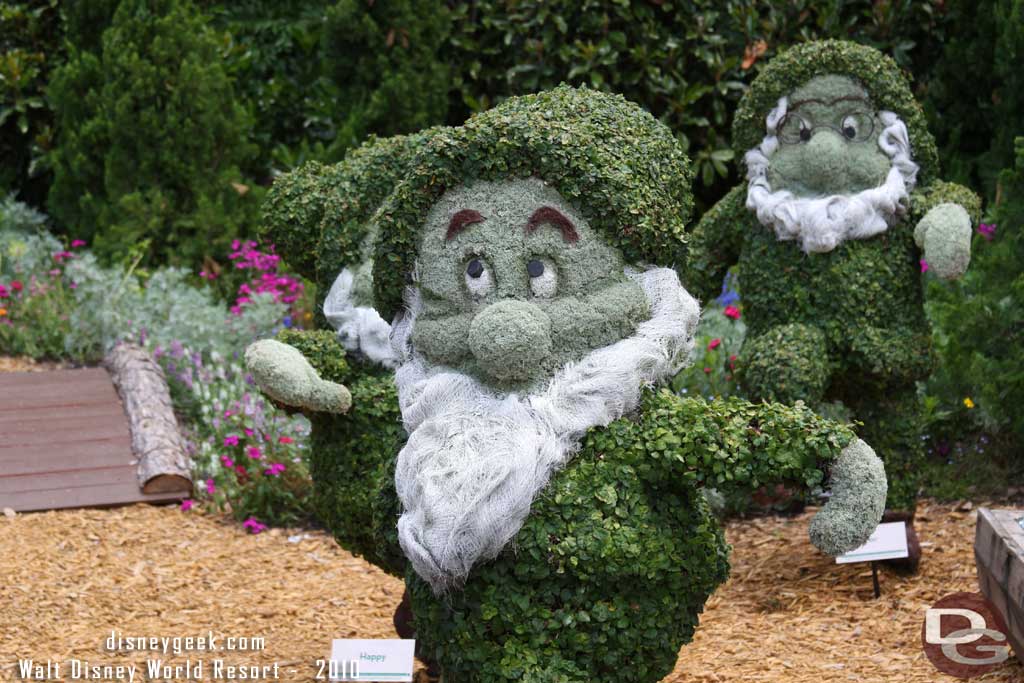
[360,328]
[823,223]
[476,458]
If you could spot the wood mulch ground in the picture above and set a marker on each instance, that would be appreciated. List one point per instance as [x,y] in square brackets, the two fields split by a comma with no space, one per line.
[788,614]
[26,364]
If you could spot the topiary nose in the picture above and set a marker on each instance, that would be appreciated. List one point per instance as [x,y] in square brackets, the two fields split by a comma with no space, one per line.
[826,160]
[509,339]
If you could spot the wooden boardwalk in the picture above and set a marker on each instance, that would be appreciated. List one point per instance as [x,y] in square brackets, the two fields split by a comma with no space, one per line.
[64,443]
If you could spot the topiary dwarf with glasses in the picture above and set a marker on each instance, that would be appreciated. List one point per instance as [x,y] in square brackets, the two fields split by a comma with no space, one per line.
[841,212]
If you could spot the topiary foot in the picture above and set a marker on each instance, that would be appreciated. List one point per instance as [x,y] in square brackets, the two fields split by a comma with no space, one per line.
[858,501]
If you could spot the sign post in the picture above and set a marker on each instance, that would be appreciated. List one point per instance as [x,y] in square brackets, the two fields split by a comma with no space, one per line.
[887,542]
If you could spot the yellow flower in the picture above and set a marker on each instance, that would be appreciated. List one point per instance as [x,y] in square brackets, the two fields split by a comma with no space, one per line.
[968,402]
[308,316]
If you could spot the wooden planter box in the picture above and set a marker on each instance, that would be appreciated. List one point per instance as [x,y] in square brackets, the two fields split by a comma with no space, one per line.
[999,552]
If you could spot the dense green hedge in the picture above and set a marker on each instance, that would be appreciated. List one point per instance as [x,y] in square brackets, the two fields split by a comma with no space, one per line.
[151,139]
[351,456]
[982,318]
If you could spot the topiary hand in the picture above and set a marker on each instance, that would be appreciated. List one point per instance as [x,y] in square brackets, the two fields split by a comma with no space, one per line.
[284,374]
[858,500]
[945,236]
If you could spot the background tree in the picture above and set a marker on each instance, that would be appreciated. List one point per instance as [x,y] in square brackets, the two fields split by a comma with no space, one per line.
[151,138]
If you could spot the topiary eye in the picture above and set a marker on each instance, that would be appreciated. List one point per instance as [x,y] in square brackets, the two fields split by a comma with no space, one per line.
[857,126]
[543,277]
[794,129]
[849,128]
[478,277]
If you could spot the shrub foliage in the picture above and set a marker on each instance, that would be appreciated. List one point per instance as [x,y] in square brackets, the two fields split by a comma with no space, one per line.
[151,138]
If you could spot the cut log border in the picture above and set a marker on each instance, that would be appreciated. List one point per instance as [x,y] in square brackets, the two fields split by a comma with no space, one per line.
[163,465]
[999,553]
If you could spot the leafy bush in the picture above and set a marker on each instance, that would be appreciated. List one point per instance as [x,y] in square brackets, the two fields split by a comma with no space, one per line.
[975,96]
[981,318]
[719,339]
[383,59]
[29,49]
[687,63]
[273,53]
[150,139]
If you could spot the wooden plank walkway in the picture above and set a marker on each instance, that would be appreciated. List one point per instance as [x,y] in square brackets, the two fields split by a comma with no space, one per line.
[64,443]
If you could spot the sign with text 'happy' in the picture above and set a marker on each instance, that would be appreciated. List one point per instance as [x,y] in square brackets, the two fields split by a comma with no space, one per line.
[371,660]
[887,542]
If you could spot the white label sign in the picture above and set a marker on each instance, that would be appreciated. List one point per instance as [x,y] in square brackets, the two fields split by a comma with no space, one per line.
[887,542]
[371,660]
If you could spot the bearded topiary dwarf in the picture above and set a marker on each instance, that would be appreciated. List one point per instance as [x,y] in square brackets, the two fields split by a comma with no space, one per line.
[548,494]
[841,212]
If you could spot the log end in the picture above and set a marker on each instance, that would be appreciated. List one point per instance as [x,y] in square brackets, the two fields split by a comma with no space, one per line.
[167,483]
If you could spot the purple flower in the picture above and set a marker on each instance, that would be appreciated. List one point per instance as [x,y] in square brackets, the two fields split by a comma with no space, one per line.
[254,526]
[987,230]
[275,469]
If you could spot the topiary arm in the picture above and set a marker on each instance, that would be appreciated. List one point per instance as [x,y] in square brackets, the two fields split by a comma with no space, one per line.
[715,244]
[302,371]
[738,446]
[942,215]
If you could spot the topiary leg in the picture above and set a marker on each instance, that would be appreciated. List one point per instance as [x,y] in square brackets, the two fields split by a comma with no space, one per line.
[893,427]
[786,364]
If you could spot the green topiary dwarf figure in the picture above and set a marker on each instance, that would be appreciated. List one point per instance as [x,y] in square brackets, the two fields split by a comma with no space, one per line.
[841,212]
[547,498]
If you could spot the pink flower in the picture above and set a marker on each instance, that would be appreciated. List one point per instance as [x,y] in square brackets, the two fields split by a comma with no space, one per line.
[714,344]
[707,371]
[3,292]
[210,487]
[228,462]
[228,413]
[275,469]
[254,526]
[61,255]
[924,266]
[231,440]
[254,452]
[75,244]
[286,439]
[732,312]
[987,230]
[240,469]
[187,504]
[16,285]
[248,432]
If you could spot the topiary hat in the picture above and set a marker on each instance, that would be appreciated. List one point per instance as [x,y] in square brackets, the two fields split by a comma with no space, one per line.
[317,216]
[888,87]
[624,171]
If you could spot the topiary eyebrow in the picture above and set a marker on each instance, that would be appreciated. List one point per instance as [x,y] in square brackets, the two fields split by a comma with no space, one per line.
[461,220]
[549,214]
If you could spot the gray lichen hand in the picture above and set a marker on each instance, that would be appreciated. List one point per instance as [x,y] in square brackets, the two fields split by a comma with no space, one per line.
[858,500]
[284,374]
[945,236]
